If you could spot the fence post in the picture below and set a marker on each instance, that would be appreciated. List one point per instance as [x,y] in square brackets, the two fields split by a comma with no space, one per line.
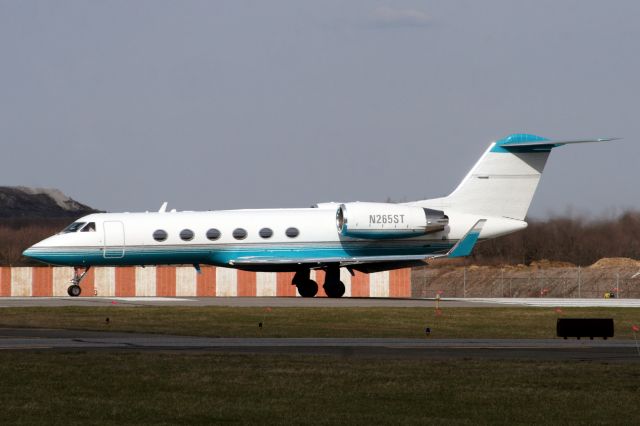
[464,282]
[425,293]
[618,284]
[540,283]
[579,284]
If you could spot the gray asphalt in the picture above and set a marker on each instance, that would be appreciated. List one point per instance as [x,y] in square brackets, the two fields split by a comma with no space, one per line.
[297,302]
[542,349]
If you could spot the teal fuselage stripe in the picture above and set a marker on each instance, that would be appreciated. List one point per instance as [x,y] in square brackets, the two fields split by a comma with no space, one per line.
[217,256]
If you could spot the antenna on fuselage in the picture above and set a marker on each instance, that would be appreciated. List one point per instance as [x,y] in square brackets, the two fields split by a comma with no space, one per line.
[163,208]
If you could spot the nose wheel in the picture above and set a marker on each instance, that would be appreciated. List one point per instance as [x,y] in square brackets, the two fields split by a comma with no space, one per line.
[74,290]
[79,273]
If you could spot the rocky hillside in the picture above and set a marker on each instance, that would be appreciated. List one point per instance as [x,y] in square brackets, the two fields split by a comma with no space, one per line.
[17,202]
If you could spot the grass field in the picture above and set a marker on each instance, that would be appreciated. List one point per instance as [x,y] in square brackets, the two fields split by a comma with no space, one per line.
[184,387]
[187,388]
[503,322]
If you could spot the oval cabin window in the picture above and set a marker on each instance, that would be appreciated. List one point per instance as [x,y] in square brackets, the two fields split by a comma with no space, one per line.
[292,232]
[239,234]
[213,234]
[160,235]
[266,233]
[186,235]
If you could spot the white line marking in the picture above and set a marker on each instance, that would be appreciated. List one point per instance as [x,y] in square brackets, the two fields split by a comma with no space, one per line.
[554,302]
[146,299]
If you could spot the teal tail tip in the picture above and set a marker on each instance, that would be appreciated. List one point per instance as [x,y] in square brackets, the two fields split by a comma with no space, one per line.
[518,138]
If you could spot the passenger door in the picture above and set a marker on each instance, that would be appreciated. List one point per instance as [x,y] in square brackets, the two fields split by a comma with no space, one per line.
[113,240]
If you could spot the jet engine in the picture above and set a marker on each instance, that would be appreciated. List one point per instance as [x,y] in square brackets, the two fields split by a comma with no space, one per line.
[384,220]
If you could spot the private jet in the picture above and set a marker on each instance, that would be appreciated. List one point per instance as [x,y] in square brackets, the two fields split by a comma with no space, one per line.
[492,200]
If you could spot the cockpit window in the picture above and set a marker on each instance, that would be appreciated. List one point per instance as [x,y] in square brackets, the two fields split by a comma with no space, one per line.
[73,227]
[89,227]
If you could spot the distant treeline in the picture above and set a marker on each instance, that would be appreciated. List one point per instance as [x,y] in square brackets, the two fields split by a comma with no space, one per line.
[18,234]
[568,239]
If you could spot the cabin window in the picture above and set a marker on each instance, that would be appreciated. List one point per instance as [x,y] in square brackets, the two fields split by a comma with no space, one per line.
[213,234]
[160,235]
[266,233]
[89,227]
[292,232]
[239,234]
[186,235]
[73,227]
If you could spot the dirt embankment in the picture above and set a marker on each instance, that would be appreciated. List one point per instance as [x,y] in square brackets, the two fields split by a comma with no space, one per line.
[544,278]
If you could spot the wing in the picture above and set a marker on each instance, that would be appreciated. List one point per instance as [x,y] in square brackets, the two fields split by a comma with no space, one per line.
[462,248]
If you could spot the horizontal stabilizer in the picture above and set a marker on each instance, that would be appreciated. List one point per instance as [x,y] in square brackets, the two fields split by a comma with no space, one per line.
[556,143]
[522,142]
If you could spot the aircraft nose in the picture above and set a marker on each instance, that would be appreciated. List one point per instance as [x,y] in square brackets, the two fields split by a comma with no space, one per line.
[30,252]
[33,252]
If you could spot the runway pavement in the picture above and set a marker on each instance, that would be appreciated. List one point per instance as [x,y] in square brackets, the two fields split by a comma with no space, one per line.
[540,349]
[320,302]
[554,302]
[274,302]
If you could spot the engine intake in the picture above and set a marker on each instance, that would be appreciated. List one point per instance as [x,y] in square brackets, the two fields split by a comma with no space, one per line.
[385,220]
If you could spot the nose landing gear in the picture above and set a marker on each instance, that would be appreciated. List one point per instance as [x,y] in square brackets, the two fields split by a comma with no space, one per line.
[79,273]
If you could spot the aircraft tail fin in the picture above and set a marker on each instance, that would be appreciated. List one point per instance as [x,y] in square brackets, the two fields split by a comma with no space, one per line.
[502,183]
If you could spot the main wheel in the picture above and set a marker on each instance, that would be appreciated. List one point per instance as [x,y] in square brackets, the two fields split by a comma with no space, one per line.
[74,290]
[335,289]
[308,288]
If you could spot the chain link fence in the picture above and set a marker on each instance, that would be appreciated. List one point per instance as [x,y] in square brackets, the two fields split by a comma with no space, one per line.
[474,281]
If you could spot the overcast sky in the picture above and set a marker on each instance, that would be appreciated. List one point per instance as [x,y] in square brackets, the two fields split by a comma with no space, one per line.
[238,104]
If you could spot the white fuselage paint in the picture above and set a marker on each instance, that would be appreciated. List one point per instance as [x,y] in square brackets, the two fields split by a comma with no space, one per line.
[316,226]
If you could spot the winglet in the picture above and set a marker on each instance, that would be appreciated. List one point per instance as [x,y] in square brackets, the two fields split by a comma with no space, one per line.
[163,208]
[465,245]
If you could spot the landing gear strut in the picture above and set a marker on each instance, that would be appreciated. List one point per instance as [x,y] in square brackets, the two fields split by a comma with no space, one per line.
[306,286]
[79,273]
[333,287]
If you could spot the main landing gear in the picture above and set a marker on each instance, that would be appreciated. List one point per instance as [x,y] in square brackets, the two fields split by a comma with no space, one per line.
[79,273]
[333,287]
[307,287]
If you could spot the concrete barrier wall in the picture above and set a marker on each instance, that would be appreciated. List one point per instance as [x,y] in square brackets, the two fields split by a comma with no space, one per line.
[172,281]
